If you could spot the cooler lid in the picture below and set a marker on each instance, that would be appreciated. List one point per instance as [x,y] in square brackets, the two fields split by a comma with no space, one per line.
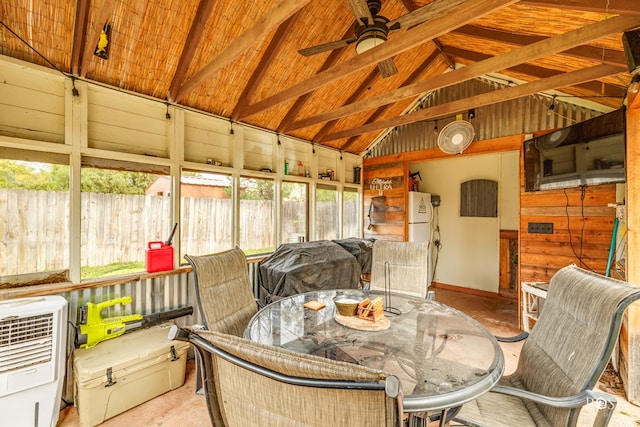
[125,351]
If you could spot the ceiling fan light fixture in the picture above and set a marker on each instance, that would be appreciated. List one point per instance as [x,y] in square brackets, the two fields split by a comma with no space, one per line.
[371,34]
[369,40]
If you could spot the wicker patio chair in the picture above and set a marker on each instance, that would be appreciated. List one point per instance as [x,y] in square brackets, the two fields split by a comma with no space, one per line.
[563,357]
[225,298]
[400,267]
[224,293]
[251,384]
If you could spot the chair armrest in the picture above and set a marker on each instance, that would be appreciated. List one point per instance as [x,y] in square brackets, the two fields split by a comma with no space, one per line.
[516,338]
[605,403]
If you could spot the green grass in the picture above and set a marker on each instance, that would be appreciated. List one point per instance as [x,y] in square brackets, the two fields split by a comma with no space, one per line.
[111,270]
[137,267]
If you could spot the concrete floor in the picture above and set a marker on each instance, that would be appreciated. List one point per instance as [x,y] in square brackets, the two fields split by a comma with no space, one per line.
[184,408]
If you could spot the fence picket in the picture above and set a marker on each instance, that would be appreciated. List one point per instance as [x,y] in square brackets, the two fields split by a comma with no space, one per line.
[34,227]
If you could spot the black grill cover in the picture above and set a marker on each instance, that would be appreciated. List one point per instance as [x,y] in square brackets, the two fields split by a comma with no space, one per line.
[362,249]
[296,268]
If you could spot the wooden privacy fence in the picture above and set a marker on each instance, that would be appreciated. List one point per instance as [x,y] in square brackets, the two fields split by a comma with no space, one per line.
[115,228]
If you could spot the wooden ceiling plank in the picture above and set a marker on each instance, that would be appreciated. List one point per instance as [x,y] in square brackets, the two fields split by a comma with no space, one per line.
[618,7]
[513,92]
[458,16]
[190,45]
[268,56]
[79,35]
[362,88]
[104,13]
[527,53]
[538,72]
[607,56]
[332,58]
[273,18]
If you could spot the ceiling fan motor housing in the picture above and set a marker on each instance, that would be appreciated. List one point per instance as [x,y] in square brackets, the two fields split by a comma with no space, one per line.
[371,35]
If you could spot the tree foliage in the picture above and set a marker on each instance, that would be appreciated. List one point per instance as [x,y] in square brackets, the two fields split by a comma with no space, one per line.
[118,182]
[18,175]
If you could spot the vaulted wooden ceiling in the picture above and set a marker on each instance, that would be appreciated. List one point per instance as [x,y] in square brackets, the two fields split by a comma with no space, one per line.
[240,60]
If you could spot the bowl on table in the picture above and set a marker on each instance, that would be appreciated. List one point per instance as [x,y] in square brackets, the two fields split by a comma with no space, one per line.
[347,305]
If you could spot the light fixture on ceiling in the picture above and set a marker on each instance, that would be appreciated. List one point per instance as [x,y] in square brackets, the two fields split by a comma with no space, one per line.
[370,36]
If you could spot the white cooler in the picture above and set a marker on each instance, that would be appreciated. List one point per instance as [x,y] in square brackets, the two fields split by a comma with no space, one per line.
[120,373]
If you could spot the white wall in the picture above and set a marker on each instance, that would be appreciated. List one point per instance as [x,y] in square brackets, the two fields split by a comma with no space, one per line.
[469,256]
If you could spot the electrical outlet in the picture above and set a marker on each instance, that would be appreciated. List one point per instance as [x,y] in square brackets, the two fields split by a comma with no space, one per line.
[540,228]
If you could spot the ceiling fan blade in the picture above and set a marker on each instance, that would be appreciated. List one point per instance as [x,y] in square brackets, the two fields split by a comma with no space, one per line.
[361,11]
[325,47]
[387,67]
[433,10]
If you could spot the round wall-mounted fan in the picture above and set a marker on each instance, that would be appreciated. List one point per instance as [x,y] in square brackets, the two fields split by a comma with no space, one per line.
[455,137]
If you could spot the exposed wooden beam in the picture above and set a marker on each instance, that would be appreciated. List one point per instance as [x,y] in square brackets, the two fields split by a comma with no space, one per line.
[513,92]
[542,48]
[79,35]
[421,69]
[449,19]
[332,58]
[267,57]
[410,8]
[446,57]
[362,88]
[408,5]
[633,98]
[254,35]
[618,7]
[604,89]
[190,45]
[93,35]
[607,56]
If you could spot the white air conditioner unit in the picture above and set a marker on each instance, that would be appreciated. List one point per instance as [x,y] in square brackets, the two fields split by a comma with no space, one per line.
[33,340]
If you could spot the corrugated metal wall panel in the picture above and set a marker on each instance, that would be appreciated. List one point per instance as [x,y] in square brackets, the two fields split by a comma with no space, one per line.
[523,115]
[150,295]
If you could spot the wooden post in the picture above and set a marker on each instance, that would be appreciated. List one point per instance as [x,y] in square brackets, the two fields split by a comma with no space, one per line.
[630,336]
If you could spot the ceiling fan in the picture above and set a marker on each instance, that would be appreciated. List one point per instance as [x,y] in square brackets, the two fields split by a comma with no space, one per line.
[371,29]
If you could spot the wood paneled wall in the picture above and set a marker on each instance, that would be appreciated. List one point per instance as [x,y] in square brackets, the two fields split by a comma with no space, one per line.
[582,229]
[384,176]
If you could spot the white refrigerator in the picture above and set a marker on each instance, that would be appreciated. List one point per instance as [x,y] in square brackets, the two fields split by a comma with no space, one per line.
[420,215]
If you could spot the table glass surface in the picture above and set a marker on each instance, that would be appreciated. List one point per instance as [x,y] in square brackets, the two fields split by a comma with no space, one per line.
[442,357]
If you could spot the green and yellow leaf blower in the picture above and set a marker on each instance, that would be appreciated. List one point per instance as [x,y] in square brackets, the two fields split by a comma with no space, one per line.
[93,328]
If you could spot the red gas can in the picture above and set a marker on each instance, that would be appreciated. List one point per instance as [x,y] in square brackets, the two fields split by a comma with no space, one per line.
[159,257]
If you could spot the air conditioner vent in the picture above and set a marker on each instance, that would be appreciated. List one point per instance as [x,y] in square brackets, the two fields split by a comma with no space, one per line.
[25,341]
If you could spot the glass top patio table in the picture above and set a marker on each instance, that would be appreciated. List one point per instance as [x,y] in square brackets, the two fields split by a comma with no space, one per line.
[442,356]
